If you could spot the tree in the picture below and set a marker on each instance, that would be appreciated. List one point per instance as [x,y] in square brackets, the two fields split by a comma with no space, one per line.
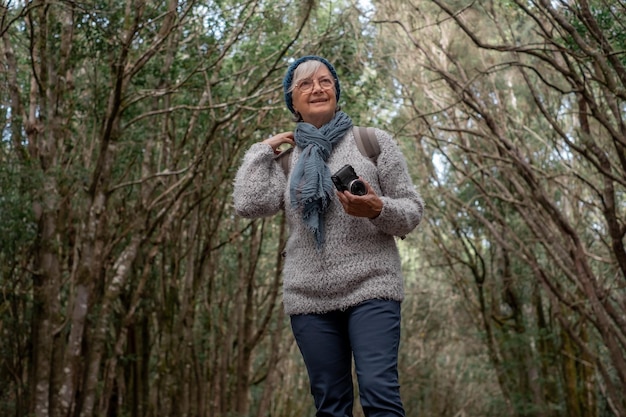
[128,286]
[516,109]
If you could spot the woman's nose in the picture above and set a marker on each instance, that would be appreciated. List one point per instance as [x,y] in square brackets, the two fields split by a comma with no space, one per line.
[317,86]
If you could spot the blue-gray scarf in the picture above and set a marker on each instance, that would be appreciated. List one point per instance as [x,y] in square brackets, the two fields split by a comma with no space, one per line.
[311,187]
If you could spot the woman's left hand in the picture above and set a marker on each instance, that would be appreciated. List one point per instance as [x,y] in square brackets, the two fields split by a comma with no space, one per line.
[368,205]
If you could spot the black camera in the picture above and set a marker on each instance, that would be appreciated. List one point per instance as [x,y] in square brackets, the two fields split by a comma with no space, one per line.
[346,180]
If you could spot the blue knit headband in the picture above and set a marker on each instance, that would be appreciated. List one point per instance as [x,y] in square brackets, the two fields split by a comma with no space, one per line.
[289,78]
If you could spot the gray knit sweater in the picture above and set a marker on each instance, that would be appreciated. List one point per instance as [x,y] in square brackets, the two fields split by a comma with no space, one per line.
[359,260]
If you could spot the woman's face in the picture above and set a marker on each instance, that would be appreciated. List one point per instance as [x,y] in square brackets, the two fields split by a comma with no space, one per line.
[315,99]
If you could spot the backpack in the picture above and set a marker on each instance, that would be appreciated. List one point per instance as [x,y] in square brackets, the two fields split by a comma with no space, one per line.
[365,139]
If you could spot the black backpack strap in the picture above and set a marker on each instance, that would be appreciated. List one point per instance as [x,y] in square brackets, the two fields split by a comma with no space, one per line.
[366,141]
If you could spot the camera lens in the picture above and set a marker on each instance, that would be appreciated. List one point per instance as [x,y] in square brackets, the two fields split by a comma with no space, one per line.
[357,187]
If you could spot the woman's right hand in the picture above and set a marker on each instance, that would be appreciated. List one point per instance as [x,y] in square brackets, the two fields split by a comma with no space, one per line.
[279,139]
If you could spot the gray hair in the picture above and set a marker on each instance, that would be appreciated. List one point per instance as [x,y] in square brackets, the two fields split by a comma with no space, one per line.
[305,70]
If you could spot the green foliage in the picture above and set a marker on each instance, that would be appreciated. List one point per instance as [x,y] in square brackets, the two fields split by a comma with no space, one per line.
[201,295]
[607,16]
[196,321]
[17,221]
[18,186]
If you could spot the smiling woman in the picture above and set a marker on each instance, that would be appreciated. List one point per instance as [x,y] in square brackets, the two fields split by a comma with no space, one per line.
[342,277]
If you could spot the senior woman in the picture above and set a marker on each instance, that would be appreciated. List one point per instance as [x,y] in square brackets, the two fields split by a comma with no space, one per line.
[342,275]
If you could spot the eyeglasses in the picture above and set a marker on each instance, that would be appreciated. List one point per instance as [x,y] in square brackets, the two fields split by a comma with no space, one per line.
[306,85]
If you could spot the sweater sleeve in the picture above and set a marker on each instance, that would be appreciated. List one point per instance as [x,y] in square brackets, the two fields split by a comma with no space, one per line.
[403,206]
[260,183]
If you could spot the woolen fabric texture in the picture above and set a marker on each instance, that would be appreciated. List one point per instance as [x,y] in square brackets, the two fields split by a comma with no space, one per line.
[311,187]
[359,260]
[289,78]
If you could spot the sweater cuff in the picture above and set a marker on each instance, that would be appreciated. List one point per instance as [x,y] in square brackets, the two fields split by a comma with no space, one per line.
[391,221]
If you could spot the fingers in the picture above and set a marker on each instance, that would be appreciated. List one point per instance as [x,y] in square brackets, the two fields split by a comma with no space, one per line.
[368,205]
[280,139]
[351,197]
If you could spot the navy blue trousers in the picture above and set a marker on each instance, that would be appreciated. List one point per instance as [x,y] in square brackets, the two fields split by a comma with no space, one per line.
[371,332]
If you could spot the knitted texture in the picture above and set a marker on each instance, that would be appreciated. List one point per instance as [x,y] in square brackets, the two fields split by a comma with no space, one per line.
[359,260]
[289,78]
